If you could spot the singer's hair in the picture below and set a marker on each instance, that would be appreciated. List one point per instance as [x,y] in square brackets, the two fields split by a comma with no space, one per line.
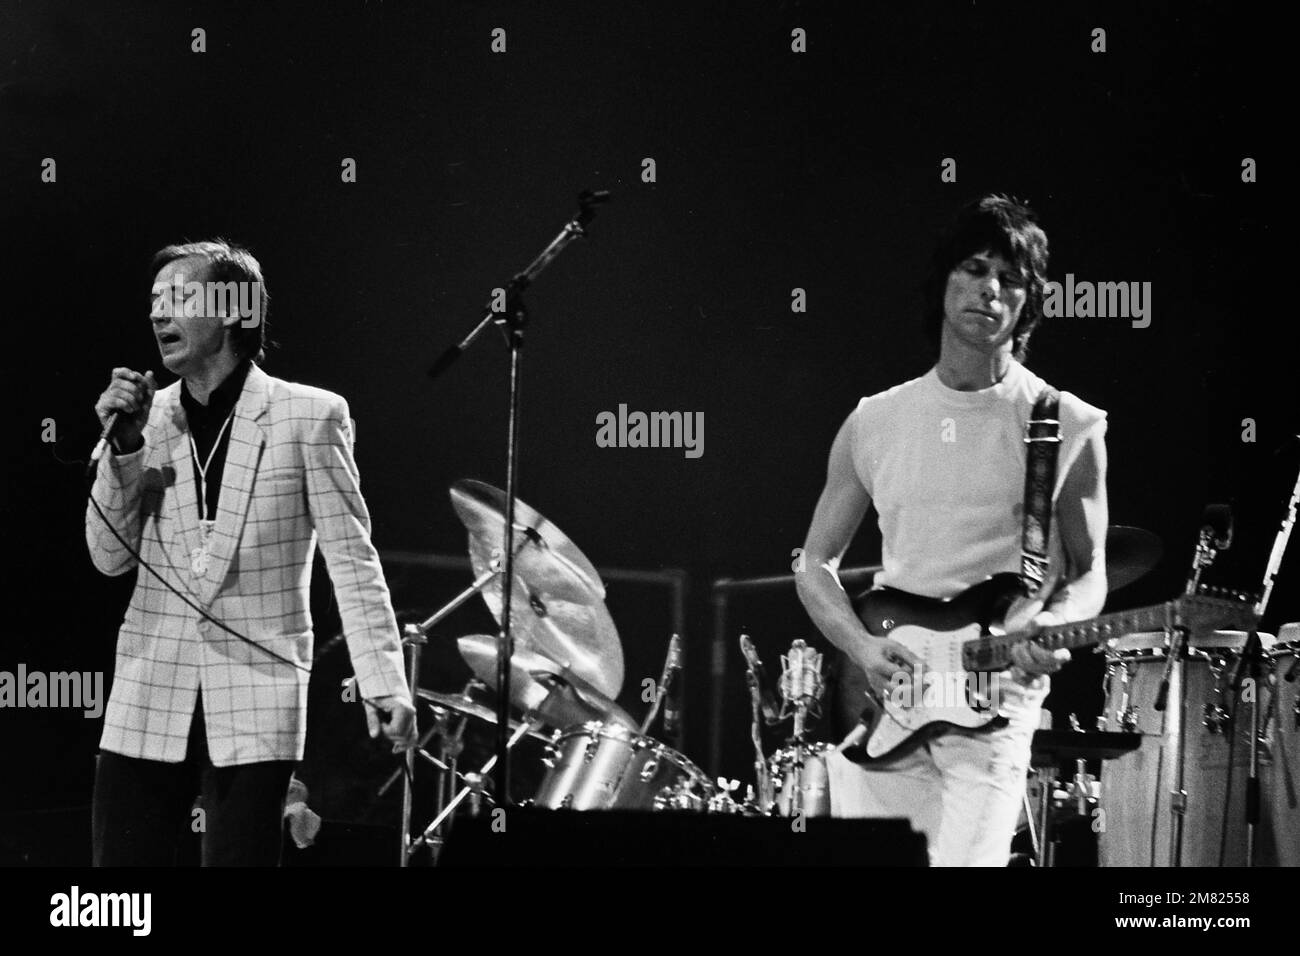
[998,224]
[227,262]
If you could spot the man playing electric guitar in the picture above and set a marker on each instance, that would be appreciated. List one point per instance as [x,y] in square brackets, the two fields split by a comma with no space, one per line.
[942,458]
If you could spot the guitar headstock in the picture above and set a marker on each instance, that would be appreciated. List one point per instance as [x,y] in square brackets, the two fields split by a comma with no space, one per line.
[1217,609]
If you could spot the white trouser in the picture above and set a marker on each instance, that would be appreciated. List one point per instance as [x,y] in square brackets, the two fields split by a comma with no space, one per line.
[963,789]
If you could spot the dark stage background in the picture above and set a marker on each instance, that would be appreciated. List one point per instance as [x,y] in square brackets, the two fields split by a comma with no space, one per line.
[775,170]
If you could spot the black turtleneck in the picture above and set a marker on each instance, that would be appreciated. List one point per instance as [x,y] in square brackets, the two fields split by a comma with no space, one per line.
[205,422]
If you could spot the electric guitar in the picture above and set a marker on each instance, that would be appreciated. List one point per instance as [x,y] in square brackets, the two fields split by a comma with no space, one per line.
[961,649]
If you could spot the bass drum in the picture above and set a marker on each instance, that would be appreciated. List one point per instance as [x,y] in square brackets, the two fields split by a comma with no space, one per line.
[1135,796]
[600,766]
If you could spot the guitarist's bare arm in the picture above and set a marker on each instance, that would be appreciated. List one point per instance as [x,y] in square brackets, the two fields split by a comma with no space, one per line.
[840,510]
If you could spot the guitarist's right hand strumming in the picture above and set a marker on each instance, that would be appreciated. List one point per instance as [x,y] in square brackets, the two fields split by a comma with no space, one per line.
[883,659]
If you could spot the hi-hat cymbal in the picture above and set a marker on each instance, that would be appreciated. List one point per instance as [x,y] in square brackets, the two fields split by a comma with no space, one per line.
[1130,554]
[540,686]
[557,608]
[469,707]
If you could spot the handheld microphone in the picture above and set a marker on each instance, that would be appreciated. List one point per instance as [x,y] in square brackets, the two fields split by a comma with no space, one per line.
[101,446]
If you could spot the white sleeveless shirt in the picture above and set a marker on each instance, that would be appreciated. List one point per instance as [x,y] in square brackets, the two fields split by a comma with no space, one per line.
[946,472]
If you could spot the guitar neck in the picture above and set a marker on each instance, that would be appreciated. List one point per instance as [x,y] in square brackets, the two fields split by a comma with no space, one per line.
[994,651]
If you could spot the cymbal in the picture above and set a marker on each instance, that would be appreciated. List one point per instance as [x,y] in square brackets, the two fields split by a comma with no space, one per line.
[541,686]
[1130,554]
[557,608]
[469,707]
[544,556]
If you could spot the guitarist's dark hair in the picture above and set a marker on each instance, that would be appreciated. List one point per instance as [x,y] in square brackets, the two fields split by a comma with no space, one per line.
[1003,225]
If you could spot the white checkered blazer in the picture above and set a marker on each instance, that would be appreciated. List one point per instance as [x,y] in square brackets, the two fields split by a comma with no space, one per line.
[289,477]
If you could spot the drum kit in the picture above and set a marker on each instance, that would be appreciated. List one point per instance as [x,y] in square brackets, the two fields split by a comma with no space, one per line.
[564,675]
[1194,724]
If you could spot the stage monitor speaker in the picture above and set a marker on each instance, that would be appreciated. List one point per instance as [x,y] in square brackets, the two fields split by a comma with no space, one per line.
[522,836]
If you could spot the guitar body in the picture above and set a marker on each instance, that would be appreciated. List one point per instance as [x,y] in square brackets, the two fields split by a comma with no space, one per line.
[944,694]
[959,654]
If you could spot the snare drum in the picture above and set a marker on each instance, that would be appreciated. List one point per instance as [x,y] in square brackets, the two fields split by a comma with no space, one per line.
[599,766]
[814,791]
[1136,787]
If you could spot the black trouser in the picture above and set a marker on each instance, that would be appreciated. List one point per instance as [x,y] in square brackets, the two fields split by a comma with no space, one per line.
[144,815]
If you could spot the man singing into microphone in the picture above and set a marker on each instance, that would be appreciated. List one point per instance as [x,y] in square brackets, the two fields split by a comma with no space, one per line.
[222,482]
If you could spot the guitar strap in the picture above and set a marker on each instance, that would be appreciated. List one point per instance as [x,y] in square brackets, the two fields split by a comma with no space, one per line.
[1042,435]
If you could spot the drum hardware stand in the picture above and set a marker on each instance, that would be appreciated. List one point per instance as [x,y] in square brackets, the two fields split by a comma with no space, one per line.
[414,637]
[1125,714]
[723,801]
[449,747]
[762,775]
[512,315]
[1083,787]
[475,788]
[1046,780]
[1217,717]
[760,710]
[1029,810]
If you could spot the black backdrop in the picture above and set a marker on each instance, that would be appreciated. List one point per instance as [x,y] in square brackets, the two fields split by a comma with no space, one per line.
[774,171]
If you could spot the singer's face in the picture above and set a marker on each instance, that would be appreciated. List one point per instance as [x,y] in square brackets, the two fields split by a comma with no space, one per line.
[983,300]
[187,338]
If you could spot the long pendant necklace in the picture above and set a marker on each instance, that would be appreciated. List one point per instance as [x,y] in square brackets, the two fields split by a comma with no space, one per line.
[200,556]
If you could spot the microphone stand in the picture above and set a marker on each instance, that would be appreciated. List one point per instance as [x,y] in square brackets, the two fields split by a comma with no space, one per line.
[1279,548]
[801,686]
[512,316]
[1252,658]
[667,684]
